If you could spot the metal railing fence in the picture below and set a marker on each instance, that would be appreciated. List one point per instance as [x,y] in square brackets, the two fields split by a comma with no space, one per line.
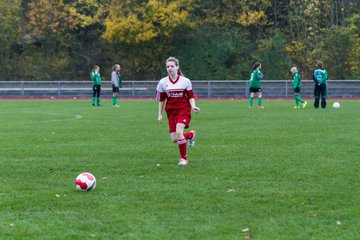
[146,89]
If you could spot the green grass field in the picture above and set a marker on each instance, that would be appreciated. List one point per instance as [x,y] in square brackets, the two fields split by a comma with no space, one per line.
[279,172]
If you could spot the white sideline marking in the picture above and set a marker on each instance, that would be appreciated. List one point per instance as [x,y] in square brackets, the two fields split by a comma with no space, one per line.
[75,117]
[68,117]
[71,117]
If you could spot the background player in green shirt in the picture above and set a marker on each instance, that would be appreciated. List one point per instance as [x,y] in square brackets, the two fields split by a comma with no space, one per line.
[297,88]
[254,85]
[320,77]
[96,79]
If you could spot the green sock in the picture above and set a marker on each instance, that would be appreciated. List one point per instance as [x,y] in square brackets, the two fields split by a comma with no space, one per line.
[299,99]
[259,101]
[296,101]
[98,101]
[93,101]
[114,100]
[251,101]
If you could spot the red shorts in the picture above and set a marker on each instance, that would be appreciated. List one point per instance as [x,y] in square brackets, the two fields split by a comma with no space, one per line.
[178,116]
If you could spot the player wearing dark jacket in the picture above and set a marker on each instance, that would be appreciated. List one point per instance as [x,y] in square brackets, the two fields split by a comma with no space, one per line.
[320,77]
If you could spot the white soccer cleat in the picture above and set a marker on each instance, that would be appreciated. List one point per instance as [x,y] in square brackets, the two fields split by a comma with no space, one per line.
[183,162]
[192,140]
[304,104]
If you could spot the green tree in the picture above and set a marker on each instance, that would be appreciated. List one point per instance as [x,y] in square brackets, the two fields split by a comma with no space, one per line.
[145,30]
[136,23]
[338,47]
[10,38]
[64,39]
[354,56]
[310,24]
[273,57]
[213,55]
[58,36]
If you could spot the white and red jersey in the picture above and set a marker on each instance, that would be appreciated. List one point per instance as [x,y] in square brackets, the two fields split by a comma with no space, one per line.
[176,92]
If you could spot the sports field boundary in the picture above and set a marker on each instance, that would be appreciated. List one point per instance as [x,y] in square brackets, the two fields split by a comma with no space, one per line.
[211,89]
[153,99]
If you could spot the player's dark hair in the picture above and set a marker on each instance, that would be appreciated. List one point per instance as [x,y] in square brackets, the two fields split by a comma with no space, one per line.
[319,65]
[256,65]
[177,63]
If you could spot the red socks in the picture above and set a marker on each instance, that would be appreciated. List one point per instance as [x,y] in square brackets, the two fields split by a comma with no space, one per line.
[182,147]
[182,144]
[188,135]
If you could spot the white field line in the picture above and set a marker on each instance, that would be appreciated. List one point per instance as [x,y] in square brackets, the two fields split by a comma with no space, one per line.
[68,117]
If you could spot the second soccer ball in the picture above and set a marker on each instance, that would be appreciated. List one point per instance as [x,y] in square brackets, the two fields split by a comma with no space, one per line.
[336,105]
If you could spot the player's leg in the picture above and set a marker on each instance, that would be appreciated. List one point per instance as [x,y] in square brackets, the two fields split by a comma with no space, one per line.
[182,143]
[173,137]
[98,95]
[93,96]
[172,127]
[260,99]
[251,99]
[296,100]
[304,103]
[115,99]
[115,96]
[185,118]
[299,99]
[190,137]
[180,131]
[316,96]
[323,95]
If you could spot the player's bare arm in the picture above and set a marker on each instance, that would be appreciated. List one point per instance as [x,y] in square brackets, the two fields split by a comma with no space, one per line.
[193,106]
[161,108]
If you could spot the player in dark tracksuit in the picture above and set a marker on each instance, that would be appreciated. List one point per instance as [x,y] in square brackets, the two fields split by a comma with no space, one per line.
[320,77]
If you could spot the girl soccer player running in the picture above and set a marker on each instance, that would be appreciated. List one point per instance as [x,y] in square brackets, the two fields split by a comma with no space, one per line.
[254,85]
[115,83]
[96,79]
[297,88]
[175,91]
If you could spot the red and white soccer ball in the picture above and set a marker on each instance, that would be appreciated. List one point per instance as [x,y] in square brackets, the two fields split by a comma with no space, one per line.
[85,182]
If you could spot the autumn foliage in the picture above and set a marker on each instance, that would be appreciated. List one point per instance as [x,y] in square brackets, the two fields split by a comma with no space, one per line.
[46,40]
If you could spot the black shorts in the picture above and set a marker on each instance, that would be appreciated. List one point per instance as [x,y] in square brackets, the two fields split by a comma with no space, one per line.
[297,90]
[115,89]
[255,90]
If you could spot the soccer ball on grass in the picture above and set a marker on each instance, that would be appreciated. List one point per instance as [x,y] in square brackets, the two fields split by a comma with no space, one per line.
[85,182]
[336,105]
